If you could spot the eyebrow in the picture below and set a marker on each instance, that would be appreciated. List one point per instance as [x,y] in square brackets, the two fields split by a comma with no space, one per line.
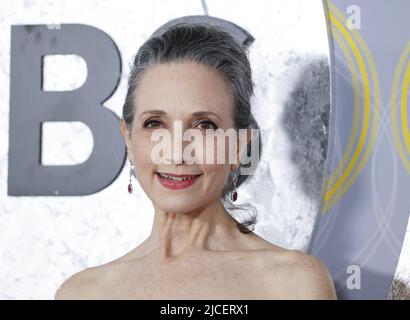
[195,114]
[156,111]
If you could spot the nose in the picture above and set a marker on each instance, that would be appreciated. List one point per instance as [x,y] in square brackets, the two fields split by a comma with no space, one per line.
[177,144]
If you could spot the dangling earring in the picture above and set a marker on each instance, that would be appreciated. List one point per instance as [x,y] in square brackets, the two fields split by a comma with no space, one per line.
[130,184]
[234,194]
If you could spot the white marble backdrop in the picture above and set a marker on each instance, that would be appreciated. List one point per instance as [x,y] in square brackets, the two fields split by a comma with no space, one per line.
[44,240]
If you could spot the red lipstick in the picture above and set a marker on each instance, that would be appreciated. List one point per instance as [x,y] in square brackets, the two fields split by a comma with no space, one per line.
[177,181]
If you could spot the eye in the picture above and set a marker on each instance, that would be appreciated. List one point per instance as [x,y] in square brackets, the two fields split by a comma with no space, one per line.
[152,124]
[207,124]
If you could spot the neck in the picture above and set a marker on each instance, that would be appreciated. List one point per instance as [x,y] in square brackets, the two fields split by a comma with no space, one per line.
[210,228]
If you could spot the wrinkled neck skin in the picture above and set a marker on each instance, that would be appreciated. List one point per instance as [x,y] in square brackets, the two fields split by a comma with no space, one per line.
[208,228]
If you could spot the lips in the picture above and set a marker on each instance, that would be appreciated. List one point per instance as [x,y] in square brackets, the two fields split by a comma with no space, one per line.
[176,181]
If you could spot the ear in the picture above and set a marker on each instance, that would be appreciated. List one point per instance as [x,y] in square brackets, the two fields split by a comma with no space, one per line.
[242,148]
[126,135]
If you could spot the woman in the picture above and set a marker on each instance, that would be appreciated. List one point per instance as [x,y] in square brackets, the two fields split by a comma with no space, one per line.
[200,76]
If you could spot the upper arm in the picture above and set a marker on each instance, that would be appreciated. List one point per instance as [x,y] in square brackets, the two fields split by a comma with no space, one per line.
[312,278]
[78,286]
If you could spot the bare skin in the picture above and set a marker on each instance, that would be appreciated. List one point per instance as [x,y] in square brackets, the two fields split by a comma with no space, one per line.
[195,250]
[268,272]
[245,267]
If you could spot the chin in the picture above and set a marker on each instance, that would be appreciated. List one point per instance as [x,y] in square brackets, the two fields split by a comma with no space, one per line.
[176,205]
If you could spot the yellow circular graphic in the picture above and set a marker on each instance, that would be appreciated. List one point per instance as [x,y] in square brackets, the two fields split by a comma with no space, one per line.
[351,165]
[401,90]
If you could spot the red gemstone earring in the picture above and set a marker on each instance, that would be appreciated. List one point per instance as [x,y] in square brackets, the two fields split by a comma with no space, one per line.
[234,194]
[130,184]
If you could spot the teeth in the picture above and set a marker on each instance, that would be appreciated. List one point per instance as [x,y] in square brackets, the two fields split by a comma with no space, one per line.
[174,178]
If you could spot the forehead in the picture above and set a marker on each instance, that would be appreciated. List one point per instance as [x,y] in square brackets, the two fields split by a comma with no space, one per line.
[184,87]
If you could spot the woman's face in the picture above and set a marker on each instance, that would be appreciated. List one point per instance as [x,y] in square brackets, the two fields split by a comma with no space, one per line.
[171,92]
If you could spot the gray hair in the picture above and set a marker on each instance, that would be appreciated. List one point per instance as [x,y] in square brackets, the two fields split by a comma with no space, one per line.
[211,46]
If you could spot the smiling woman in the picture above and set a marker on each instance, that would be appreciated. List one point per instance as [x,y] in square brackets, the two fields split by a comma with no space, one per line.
[198,75]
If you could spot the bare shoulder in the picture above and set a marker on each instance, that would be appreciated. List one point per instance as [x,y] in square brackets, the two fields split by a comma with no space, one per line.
[311,276]
[300,275]
[80,286]
[289,274]
[96,282]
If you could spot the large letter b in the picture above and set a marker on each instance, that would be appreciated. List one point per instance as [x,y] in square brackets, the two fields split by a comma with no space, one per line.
[30,106]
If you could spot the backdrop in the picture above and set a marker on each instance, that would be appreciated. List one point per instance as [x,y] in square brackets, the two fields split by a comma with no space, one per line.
[62,211]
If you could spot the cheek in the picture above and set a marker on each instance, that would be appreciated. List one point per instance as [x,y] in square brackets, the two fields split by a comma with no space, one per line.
[142,147]
[220,150]
[216,175]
